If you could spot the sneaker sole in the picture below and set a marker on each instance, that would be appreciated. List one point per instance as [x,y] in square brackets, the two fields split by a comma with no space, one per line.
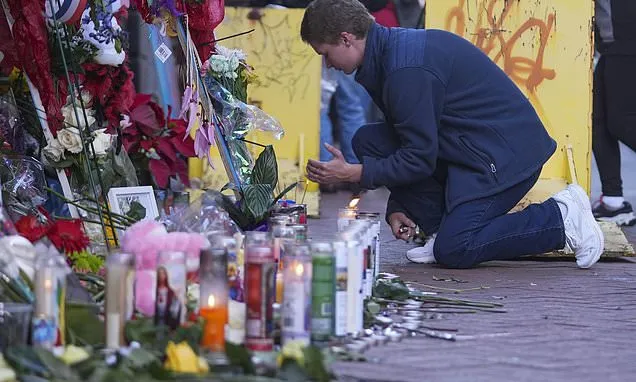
[421,260]
[625,220]
[584,203]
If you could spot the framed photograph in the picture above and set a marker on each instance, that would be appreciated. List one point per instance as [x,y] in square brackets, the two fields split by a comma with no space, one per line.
[123,199]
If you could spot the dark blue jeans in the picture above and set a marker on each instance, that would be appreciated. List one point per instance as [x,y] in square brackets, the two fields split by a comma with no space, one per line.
[476,231]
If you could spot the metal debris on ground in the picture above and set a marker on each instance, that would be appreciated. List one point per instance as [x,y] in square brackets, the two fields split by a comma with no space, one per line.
[397,311]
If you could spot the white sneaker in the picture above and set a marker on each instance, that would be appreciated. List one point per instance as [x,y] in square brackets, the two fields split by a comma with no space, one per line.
[423,254]
[583,235]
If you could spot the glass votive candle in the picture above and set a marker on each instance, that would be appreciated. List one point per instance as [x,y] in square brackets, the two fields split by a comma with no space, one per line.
[120,276]
[260,290]
[170,290]
[296,301]
[213,301]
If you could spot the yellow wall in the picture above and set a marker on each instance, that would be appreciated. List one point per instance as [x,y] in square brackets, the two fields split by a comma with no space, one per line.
[546,47]
[288,72]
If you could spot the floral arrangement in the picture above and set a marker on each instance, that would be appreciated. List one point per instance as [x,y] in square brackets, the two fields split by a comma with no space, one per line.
[67,236]
[159,146]
[230,69]
[80,136]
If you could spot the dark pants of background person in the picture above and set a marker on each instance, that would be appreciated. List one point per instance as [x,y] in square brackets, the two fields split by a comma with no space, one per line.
[475,231]
[614,117]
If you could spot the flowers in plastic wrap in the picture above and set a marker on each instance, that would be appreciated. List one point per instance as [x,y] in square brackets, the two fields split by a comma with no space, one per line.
[103,31]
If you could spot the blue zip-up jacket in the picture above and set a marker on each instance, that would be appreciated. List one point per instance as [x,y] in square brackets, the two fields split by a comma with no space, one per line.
[447,100]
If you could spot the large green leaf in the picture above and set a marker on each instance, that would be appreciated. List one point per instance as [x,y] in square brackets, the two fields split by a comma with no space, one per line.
[265,169]
[315,364]
[239,356]
[258,199]
[393,289]
[228,205]
[82,324]
[284,192]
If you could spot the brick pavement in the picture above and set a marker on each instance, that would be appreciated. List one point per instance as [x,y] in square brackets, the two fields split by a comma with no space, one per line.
[562,323]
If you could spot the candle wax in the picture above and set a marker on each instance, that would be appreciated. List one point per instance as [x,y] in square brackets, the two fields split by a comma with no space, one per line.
[214,329]
[279,287]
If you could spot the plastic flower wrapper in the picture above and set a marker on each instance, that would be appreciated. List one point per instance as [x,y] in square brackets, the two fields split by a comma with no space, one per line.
[11,125]
[23,183]
[236,120]
[17,262]
[204,216]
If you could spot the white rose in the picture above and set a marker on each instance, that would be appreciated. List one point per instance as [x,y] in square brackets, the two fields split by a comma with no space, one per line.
[102,141]
[54,151]
[71,118]
[70,139]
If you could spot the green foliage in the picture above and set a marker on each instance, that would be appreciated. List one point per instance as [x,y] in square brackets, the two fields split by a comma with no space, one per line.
[257,196]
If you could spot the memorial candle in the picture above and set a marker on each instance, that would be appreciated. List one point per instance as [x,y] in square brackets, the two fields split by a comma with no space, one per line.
[119,293]
[214,296]
[215,316]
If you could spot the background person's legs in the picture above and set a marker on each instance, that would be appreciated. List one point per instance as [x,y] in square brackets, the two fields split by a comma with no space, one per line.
[349,112]
[614,120]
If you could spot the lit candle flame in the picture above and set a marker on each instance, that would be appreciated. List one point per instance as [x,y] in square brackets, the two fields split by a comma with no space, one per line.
[211,300]
[354,202]
[299,269]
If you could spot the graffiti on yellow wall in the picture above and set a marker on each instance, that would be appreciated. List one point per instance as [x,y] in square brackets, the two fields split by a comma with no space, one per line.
[545,47]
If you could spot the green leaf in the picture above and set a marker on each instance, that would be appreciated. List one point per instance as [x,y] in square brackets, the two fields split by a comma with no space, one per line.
[265,169]
[64,163]
[137,211]
[24,360]
[393,289]
[315,364]
[373,307]
[239,356]
[258,199]
[230,186]
[83,323]
[58,369]
[141,358]
[284,192]
[291,371]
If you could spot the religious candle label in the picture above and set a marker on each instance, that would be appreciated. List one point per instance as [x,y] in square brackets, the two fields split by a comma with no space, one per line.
[323,294]
[368,276]
[47,328]
[170,290]
[296,311]
[260,293]
[340,252]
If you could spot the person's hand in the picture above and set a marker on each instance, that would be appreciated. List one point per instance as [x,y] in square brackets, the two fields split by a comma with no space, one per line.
[403,228]
[334,171]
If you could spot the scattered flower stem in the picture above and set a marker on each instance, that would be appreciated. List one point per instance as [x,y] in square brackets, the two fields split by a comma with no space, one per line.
[454,290]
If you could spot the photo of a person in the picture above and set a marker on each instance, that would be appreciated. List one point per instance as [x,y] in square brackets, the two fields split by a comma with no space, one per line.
[168,307]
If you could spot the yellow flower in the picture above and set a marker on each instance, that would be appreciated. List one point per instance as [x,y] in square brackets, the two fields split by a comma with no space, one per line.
[293,350]
[6,372]
[73,354]
[182,359]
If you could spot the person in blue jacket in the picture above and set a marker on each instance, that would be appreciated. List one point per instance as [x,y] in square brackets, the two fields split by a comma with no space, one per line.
[460,146]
